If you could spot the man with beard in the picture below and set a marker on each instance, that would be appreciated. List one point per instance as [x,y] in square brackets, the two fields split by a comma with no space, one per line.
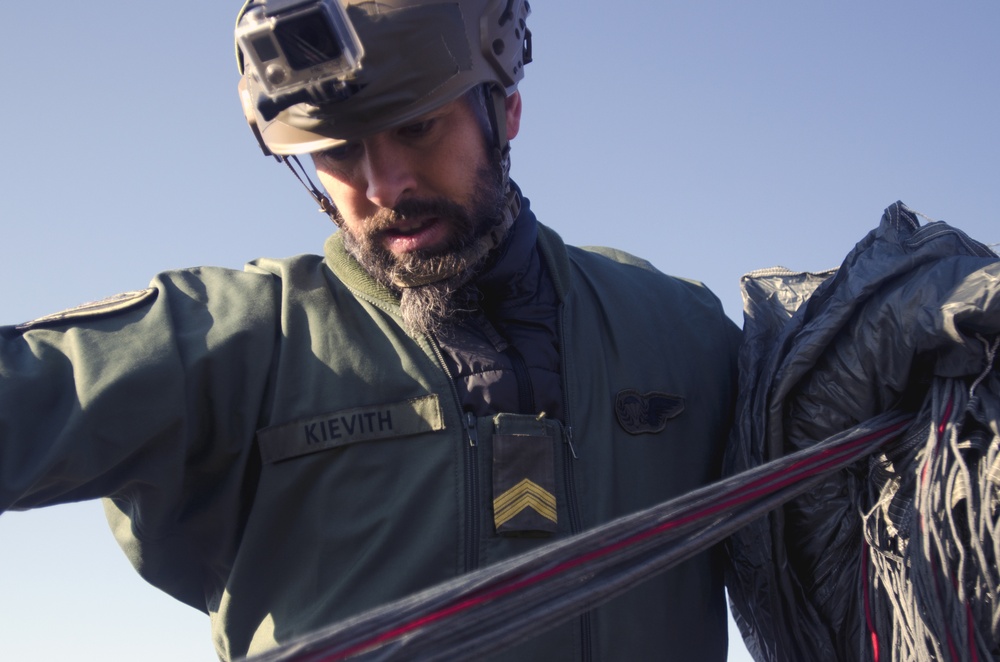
[432,224]
[447,386]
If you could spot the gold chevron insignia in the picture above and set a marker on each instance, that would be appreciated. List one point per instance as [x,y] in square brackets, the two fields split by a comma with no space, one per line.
[525,494]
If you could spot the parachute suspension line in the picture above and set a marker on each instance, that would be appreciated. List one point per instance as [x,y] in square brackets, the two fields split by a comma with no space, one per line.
[501,605]
[991,355]
[866,595]
[932,534]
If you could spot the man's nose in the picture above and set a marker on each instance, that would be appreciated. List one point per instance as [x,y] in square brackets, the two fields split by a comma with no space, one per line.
[390,173]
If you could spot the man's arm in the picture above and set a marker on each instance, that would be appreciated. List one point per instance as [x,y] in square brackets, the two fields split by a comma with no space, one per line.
[122,397]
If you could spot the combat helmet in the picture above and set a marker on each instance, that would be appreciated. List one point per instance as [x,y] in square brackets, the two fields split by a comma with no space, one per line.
[317,73]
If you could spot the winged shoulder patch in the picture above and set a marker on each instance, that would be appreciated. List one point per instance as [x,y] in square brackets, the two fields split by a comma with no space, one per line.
[646,413]
[93,309]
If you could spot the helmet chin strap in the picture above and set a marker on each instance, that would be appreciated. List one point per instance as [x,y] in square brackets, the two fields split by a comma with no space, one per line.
[325,204]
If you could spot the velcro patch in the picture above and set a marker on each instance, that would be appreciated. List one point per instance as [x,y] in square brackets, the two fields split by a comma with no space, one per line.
[350,426]
[646,413]
[92,310]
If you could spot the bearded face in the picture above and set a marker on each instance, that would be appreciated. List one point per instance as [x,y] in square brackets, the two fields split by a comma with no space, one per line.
[422,204]
[432,282]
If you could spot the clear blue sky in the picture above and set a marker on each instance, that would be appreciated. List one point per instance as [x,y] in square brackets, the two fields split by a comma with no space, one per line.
[712,138]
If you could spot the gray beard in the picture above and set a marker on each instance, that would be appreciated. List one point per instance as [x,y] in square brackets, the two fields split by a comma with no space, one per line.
[435,286]
[427,308]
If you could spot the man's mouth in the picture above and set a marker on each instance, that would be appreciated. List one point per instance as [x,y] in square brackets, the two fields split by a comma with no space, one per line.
[413,235]
[408,227]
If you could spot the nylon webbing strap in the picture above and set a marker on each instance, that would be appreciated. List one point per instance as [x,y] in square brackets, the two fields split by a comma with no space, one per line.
[505,604]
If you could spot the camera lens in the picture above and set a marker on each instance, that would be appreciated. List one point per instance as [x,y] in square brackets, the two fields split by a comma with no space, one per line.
[276,74]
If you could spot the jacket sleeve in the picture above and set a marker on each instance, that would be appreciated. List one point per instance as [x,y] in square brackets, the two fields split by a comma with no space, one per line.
[154,397]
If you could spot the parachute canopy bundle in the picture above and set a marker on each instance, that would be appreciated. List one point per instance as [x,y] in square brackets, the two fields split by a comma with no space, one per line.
[894,558]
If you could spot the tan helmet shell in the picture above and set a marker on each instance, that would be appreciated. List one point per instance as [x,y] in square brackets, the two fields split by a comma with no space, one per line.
[418,56]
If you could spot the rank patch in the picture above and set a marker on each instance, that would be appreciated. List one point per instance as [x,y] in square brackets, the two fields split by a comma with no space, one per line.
[524,476]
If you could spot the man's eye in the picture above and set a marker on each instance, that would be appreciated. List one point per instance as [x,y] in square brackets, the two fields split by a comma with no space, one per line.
[417,129]
[340,152]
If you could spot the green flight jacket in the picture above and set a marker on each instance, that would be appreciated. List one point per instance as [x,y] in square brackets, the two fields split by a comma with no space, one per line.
[276,451]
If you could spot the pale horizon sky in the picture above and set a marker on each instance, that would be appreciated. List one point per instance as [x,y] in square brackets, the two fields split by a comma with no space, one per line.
[712,138]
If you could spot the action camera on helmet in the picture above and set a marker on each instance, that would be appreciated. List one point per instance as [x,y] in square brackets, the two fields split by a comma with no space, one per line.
[300,51]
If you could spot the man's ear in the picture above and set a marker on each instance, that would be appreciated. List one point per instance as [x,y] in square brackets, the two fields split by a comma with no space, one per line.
[513,107]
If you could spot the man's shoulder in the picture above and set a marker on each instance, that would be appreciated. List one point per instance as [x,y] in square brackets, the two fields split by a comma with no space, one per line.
[283,267]
[204,285]
[616,268]
[617,256]
[634,271]
[591,257]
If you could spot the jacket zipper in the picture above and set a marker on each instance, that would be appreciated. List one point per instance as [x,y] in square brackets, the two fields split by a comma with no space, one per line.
[569,478]
[575,526]
[525,392]
[526,400]
[471,452]
[471,494]
[471,455]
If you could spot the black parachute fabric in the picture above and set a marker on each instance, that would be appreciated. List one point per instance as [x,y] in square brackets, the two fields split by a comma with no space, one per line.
[894,557]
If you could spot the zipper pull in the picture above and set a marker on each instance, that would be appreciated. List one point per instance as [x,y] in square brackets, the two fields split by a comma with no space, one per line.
[569,442]
[470,429]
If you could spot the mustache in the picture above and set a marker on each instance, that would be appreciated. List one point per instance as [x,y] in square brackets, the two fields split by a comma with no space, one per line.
[386,218]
